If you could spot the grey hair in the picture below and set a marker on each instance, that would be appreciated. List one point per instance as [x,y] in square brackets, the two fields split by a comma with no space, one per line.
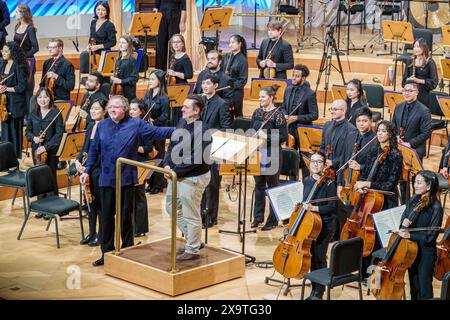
[123,100]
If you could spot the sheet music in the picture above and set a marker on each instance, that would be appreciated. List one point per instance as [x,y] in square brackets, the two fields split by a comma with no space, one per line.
[387,220]
[283,199]
[225,148]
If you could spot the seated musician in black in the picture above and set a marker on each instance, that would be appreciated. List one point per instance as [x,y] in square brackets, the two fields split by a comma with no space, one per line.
[102,33]
[355,99]
[421,271]
[281,58]
[60,69]
[299,106]
[97,113]
[214,59]
[327,212]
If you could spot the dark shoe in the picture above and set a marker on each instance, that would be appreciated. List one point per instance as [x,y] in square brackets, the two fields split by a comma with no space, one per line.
[137,235]
[62,165]
[181,250]
[98,262]
[155,190]
[268,227]
[46,217]
[313,297]
[39,215]
[211,223]
[94,242]
[255,224]
[187,257]
[87,239]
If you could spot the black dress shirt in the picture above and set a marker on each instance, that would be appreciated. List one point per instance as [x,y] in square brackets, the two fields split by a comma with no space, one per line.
[326,190]
[105,35]
[30,45]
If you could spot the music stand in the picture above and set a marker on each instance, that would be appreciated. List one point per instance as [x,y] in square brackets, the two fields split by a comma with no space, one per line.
[66,107]
[445,68]
[398,32]
[310,138]
[444,104]
[177,93]
[216,19]
[145,24]
[392,99]
[259,83]
[237,150]
[411,165]
[144,173]
[446,36]
[339,92]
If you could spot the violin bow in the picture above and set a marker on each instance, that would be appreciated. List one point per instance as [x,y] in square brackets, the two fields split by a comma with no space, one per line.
[352,157]
[53,120]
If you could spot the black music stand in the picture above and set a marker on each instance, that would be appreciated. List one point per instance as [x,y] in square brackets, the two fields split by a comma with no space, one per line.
[177,93]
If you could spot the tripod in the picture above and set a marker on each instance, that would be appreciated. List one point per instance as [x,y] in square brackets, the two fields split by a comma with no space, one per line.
[311,18]
[329,49]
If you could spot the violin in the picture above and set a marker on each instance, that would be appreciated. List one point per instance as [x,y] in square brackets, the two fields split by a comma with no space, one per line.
[360,223]
[116,88]
[442,265]
[42,158]
[292,257]
[87,185]
[330,171]
[4,100]
[50,83]
[387,280]
[80,122]
[172,79]
[93,59]
[350,177]
[271,72]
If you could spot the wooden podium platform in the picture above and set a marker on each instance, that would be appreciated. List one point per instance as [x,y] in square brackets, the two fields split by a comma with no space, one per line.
[149,265]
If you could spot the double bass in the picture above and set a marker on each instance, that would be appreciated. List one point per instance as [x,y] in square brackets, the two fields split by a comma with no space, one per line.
[442,265]
[292,257]
[360,223]
[388,279]
[350,177]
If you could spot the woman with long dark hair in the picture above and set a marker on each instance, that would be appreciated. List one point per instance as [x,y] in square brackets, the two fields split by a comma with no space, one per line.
[13,68]
[426,187]
[355,99]
[25,38]
[235,65]
[422,70]
[156,99]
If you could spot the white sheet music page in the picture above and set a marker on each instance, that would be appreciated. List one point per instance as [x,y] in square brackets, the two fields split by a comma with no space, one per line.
[284,198]
[387,220]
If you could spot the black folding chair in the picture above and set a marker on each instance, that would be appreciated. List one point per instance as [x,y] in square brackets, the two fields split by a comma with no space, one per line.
[445,288]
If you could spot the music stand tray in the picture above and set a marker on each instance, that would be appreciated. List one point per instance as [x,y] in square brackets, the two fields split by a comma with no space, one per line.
[177,93]
[310,138]
[446,36]
[108,61]
[145,23]
[339,92]
[258,83]
[218,18]
[66,106]
[392,99]
[444,103]
[71,145]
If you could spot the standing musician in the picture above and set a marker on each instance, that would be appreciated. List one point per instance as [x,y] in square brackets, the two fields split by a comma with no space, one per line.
[25,37]
[327,212]
[126,73]
[216,115]
[355,99]
[58,73]
[13,70]
[180,66]
[97,113]
[279,57]
[235,65]
[138,110]
[45,113]
[93,84]
[299,96]
[158,102]
[123,132]
[422,70]
[214,59]
[193,175]
[173,21]
[421,272]
[338,138]
[4,22]
[266,120]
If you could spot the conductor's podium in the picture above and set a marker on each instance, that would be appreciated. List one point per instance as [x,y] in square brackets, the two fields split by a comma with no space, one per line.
[149,265]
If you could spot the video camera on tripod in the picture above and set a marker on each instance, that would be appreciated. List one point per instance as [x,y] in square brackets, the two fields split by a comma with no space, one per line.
[329,39]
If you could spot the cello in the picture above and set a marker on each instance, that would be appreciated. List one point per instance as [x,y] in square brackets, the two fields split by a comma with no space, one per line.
[388,279]
[361,224]
[292,257]
[350,177]
[442,265]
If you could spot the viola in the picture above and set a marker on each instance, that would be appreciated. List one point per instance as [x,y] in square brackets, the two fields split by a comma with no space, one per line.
[42,158]
[87,185]
[268,72]
[292,257]
[350,177]
[172,79]
[47,82]
[330,171]
[80,122]
[116,88]
[442,265]
[4,100]
[93,59]
[388,280]
[360,223]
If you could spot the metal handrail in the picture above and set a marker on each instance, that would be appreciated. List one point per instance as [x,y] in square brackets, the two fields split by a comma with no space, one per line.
[173,175]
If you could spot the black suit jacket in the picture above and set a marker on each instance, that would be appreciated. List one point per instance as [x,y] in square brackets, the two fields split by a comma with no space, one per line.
[16,100]
[282,55]
[160,109]
[216,113]
[307,112]
[66,77]
[236,66]
[98,95]
[224,81]
[418,127]
[105,35]
[54,133]
[129,75]
[4,20]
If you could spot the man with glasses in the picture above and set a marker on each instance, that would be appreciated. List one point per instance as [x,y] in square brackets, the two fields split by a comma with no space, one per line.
[338,137]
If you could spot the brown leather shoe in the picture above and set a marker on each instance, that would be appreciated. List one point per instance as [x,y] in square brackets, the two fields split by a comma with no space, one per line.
[187,257]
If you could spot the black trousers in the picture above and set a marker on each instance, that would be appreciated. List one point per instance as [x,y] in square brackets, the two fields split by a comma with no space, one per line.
[157,179]
[140,210]
[261,183]
[421,275]
[108,198]
[30,83]
[319,250]
[210,199]
[238,102]
[12,131]
[96,207]
[170,25]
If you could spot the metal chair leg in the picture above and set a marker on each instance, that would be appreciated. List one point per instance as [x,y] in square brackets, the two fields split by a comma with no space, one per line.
[14,197]
[27,215]
[48,224]
[81,222]
[328,293]
[360,290]
[57,232]
[303,290]
[24,202]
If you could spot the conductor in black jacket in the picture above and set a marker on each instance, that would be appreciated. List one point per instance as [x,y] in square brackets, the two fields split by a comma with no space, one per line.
[216,115]
[282,57]
[4,22]
[62,70]
[214,59]
[299,105]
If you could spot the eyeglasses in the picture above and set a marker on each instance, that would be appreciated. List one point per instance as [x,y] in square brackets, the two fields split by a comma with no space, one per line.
[177,41]
[53,47]
[335,109]
[317,161]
